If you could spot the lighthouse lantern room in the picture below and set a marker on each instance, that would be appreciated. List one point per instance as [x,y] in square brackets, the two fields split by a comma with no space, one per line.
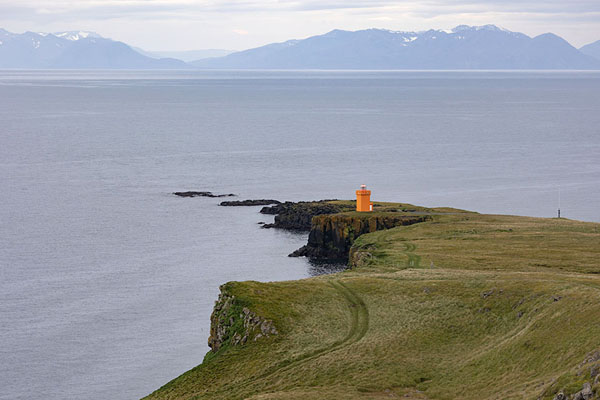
[363,199]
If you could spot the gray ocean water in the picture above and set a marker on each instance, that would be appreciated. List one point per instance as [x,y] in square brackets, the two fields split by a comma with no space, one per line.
[107,281]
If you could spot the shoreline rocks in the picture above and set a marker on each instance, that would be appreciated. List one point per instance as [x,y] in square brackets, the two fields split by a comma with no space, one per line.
[298,216]
[247,203]
[202,194]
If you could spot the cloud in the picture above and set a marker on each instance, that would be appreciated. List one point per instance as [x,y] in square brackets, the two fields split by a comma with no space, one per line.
[382,18]
[102,9]
[240,31]
[128,6]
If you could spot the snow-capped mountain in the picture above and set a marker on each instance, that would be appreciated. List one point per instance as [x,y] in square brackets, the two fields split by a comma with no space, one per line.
[464,47]
[76,35]
[73,50]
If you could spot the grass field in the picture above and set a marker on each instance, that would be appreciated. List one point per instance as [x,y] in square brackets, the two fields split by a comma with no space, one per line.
[464,306]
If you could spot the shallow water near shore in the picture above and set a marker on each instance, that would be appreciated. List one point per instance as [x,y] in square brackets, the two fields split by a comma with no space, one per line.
[107,280]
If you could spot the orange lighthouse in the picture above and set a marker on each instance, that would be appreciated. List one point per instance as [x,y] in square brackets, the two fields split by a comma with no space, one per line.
[363,199]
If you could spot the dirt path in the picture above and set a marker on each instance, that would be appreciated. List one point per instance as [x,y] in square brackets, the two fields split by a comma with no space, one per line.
[359,325]
[413,260]
[360,314]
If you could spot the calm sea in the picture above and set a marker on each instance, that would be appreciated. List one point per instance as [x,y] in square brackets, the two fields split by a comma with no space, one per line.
[107,281]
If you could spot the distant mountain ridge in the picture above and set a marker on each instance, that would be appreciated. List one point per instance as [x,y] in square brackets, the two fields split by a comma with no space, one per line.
[187,56]
[592,50]
[464,47]
[74,50]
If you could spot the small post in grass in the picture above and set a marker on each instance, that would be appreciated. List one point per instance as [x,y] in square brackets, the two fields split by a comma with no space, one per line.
[559,203]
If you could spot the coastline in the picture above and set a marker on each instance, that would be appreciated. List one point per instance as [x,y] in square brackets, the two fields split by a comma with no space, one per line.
[101,250]
[464,280]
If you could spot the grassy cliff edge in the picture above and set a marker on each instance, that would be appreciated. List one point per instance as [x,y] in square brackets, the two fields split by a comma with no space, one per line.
[456,305]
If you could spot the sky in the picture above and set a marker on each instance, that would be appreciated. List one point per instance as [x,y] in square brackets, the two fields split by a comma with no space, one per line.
[178,25]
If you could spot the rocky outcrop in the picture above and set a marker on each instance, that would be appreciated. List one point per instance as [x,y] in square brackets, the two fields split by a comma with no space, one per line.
[589,391]
[584,394]
[332,236]
[298,216]
[202,194]
[232,323]
[246,203]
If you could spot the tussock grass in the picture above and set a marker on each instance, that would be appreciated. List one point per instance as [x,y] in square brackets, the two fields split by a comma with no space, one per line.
[465,306]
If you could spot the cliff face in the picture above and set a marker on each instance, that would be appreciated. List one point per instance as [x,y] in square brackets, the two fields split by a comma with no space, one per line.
[232,323]
[332,236]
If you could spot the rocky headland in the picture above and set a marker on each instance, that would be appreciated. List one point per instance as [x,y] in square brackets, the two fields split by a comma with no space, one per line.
[436,303]
[333,225]
[331,236]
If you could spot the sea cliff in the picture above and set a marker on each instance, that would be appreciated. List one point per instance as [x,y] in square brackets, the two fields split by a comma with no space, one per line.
[331,236]
[436,304]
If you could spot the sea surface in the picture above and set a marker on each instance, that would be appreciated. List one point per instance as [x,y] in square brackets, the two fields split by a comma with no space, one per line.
[107,280]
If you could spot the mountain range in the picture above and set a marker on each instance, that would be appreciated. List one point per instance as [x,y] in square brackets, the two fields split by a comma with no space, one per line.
[592,49]
[464,47]
[74,50]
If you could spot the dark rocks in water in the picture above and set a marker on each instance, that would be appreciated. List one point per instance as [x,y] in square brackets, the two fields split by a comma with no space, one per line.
[245,203]
[303,205]
[273,210]
[202,194]
[298,216]
[308,251]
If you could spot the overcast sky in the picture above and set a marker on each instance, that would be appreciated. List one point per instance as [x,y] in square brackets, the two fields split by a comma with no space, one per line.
[241,24]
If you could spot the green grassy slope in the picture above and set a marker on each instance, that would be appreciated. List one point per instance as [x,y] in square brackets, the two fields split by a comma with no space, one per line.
[465,306]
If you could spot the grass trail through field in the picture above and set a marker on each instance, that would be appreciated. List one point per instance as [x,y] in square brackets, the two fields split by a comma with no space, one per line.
[359,325]
[414,260]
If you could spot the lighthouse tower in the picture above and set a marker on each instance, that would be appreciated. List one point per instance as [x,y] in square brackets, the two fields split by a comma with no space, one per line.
[363,199]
